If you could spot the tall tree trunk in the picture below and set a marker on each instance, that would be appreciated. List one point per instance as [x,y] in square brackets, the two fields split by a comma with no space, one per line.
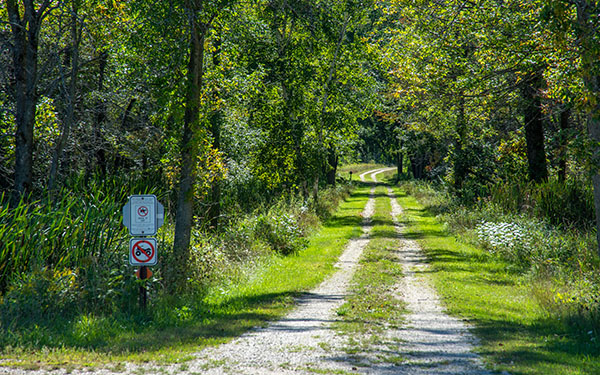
[417,165]
[399,157]
[586,34]
[25,32]
[189,149]
[564,141]
[70,97]
[332,164]
[399,166]
[534,128]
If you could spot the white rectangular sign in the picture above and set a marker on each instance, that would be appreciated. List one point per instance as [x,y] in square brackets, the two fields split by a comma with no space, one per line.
[143,215]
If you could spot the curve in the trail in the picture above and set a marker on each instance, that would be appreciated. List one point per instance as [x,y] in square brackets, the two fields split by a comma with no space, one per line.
[374,173]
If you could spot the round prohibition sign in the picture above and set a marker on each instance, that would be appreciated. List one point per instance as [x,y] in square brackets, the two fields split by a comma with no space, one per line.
[143,251]
[142,211]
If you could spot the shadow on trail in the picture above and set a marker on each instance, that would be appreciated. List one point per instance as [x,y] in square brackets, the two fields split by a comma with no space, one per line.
[160,327]
[343,221]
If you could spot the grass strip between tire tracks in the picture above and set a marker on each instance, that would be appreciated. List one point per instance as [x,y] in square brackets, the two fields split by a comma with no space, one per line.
[516,334]
[372,307]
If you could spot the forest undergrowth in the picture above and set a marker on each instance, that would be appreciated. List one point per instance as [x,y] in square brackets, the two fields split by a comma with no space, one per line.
[544,231]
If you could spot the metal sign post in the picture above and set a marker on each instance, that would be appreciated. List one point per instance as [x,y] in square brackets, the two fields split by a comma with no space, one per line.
[143,215]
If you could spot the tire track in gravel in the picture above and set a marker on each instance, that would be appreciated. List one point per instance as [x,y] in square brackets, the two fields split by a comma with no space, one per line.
[432,341]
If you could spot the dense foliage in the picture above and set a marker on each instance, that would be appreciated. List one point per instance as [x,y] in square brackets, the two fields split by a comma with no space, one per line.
[218,107]
[236,115]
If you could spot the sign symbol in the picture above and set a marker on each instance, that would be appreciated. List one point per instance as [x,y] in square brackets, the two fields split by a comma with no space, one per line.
[143,211]
[143,251]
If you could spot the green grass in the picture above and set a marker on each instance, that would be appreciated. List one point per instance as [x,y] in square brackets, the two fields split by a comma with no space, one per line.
[517,334]
[173,329]
[372,308]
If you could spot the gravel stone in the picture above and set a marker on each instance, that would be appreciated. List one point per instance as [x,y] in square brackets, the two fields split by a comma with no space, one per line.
[432,341]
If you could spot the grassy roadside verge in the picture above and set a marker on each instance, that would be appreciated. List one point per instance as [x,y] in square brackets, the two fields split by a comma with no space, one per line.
[261,292]
[516,334]
[372,307]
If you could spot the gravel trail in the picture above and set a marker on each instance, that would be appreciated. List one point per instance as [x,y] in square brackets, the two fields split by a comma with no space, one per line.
[303,342]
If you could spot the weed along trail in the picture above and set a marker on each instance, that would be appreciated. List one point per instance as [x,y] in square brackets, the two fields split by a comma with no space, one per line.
[433,342]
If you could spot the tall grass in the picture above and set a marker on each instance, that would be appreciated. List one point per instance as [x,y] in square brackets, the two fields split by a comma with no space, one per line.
[569,203]
[66,254]
[60,234]
[73,235]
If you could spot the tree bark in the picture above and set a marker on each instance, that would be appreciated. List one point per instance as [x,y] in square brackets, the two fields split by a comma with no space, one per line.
[332,164]
[399,155]
[399,166]
[534,128]
[189,148]
[25,32]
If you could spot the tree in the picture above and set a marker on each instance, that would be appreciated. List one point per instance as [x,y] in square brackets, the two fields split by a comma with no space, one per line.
[76,30]
[201,15]
[26,28]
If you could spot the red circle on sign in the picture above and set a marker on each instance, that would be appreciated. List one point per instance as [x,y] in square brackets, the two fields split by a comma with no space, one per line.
[142,210]
[146,252]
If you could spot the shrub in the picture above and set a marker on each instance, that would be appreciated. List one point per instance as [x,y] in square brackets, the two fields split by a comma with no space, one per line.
[508,239]
[281,232]
[561,203]
[329,199]
[40,296]
[570,203]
